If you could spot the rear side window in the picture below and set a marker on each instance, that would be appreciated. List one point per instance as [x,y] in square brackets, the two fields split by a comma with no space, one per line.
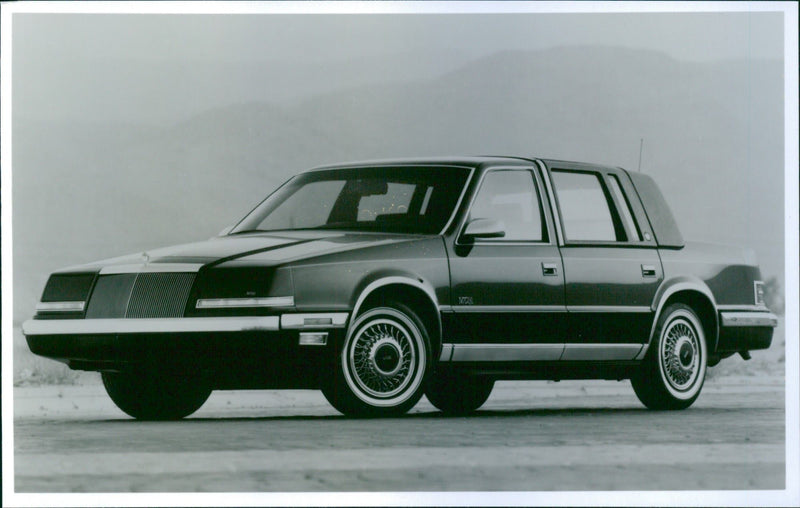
[585,210]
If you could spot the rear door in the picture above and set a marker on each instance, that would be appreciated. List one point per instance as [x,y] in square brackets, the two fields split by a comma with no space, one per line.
[611,264]
[507,293]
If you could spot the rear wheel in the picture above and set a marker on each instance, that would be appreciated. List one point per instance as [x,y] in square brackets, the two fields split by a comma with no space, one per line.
[674,370]
[456,393]
[381,367]
[148,395]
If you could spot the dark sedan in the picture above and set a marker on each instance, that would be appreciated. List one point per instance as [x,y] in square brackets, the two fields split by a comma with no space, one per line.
[380,282]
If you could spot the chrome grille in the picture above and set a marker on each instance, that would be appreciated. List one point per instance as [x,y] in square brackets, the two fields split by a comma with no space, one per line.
[159,295]
[143,295]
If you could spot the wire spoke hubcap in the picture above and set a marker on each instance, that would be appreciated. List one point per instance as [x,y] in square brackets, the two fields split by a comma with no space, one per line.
[382,358]
[680,355]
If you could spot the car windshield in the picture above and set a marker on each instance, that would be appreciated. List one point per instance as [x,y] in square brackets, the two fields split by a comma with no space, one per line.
[415,199]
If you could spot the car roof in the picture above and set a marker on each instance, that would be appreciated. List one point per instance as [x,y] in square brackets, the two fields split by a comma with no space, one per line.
[465,161]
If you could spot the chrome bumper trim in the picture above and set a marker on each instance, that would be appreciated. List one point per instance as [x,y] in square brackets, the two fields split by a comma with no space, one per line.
[149,325]
[313,321]
[742,308]
[755,319]
[447,353]
[228,303]
[60,306]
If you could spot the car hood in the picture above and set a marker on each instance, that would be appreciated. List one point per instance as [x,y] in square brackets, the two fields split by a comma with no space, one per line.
[254,248]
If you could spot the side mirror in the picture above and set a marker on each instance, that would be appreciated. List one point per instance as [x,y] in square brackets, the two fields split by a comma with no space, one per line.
[484,228]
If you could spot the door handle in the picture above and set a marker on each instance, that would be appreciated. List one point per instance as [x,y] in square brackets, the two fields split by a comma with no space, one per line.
[648,271]
[549,269]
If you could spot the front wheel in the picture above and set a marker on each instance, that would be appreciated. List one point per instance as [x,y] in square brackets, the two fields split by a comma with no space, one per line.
[672,374]
[381,367]
[148,395]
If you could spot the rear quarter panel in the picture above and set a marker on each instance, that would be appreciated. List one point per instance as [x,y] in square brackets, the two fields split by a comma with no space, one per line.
[728,273]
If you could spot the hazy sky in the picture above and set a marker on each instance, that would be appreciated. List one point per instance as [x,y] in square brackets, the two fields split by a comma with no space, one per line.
[163,68]
[691,36]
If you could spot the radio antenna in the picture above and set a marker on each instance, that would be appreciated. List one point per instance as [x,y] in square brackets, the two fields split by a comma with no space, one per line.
[641,144]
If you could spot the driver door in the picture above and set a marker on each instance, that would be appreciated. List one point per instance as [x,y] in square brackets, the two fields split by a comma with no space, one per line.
[507,292]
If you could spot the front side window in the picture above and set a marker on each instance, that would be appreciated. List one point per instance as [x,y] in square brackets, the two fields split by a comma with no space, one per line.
[511,198]
[585,212]
[416,200]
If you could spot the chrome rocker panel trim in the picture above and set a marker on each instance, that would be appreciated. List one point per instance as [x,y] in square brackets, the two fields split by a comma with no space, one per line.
[537,352]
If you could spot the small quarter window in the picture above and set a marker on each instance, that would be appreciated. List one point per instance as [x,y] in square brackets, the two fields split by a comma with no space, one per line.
[511,197]
[625,207]
[584,206]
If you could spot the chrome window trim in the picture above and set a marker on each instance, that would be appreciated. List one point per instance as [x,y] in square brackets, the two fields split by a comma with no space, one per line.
[151,268]
[465,220]
[150,325]
[74,306]
[554,211]
[454,214]
[748,319]
[298,321]
[624,209]
[229,303]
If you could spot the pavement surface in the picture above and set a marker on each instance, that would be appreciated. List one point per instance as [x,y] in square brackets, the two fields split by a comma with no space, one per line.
[529,436]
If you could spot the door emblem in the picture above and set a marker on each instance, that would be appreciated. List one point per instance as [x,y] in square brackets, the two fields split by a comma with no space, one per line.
[465,300]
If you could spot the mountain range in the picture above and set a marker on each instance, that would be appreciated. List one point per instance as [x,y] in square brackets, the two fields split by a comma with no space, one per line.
[711,134]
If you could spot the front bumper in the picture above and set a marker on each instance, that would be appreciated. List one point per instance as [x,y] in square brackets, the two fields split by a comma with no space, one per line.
[35,327]
[214,343]
[745,330]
